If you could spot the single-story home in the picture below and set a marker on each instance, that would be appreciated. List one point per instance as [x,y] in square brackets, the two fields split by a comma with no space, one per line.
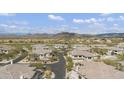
[42,51]
[114,50]
[4,49]
[120,45]
[60,46]
[111,51]
[17,71]
[78,46]
[82,55]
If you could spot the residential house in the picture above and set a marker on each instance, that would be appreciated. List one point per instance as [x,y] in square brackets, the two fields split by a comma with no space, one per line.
[60,46]
[115,50]
[4,49]
[43,52]
[78,46]
[120,45]
[17,71]
[111,51]
[79,55]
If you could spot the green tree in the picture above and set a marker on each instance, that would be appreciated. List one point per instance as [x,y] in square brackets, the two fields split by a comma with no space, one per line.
[120,56]
[37,65]
[110,62]
[70,64]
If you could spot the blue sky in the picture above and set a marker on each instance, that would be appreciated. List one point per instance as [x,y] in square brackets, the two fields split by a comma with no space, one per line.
[85,23]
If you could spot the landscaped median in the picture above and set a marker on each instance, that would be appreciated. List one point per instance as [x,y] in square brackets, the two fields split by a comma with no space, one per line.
[69,63]
[114,63]
[45,71]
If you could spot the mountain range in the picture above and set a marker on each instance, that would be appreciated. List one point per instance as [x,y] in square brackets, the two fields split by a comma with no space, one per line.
[62,35]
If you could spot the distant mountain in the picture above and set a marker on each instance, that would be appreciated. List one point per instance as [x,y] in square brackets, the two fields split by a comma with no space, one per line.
[60,35]
[65,35]
[71,35]
[111,35]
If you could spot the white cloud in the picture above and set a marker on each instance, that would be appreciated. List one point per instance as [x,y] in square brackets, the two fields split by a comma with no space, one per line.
[92,20]
[115,29]
[14,29]
[53,17]
[101,19]
[96,20]
[12,26]
[110,19]
[121,17]
[115,25]
[3,25]
[7,26]
[78,21]
[87,21]
[96,28]
[105,14]
[7,14]
[18,22]
[97,25]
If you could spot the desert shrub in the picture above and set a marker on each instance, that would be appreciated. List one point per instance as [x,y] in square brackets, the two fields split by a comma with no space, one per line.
[110,62]
[120,57]
[99,51]
[37,65]
[70,63]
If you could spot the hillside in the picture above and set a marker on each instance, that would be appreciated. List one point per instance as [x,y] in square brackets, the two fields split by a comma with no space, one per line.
[61,35]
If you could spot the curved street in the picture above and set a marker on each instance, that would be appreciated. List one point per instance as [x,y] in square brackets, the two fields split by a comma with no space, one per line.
[17,59]
[59,68]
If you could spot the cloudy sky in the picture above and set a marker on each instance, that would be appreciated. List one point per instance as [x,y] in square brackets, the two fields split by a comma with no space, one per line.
[86,23]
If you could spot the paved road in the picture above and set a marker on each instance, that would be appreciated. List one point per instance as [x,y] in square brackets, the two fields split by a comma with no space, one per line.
[19,58]
[59,68]
[16,60]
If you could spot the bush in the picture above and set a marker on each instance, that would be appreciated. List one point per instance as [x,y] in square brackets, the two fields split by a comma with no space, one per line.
[48,74]
[99,51]
[110,62]
[121,68]
[52,59]
[37,65]
[117,65]
[70,64]
[120,56]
